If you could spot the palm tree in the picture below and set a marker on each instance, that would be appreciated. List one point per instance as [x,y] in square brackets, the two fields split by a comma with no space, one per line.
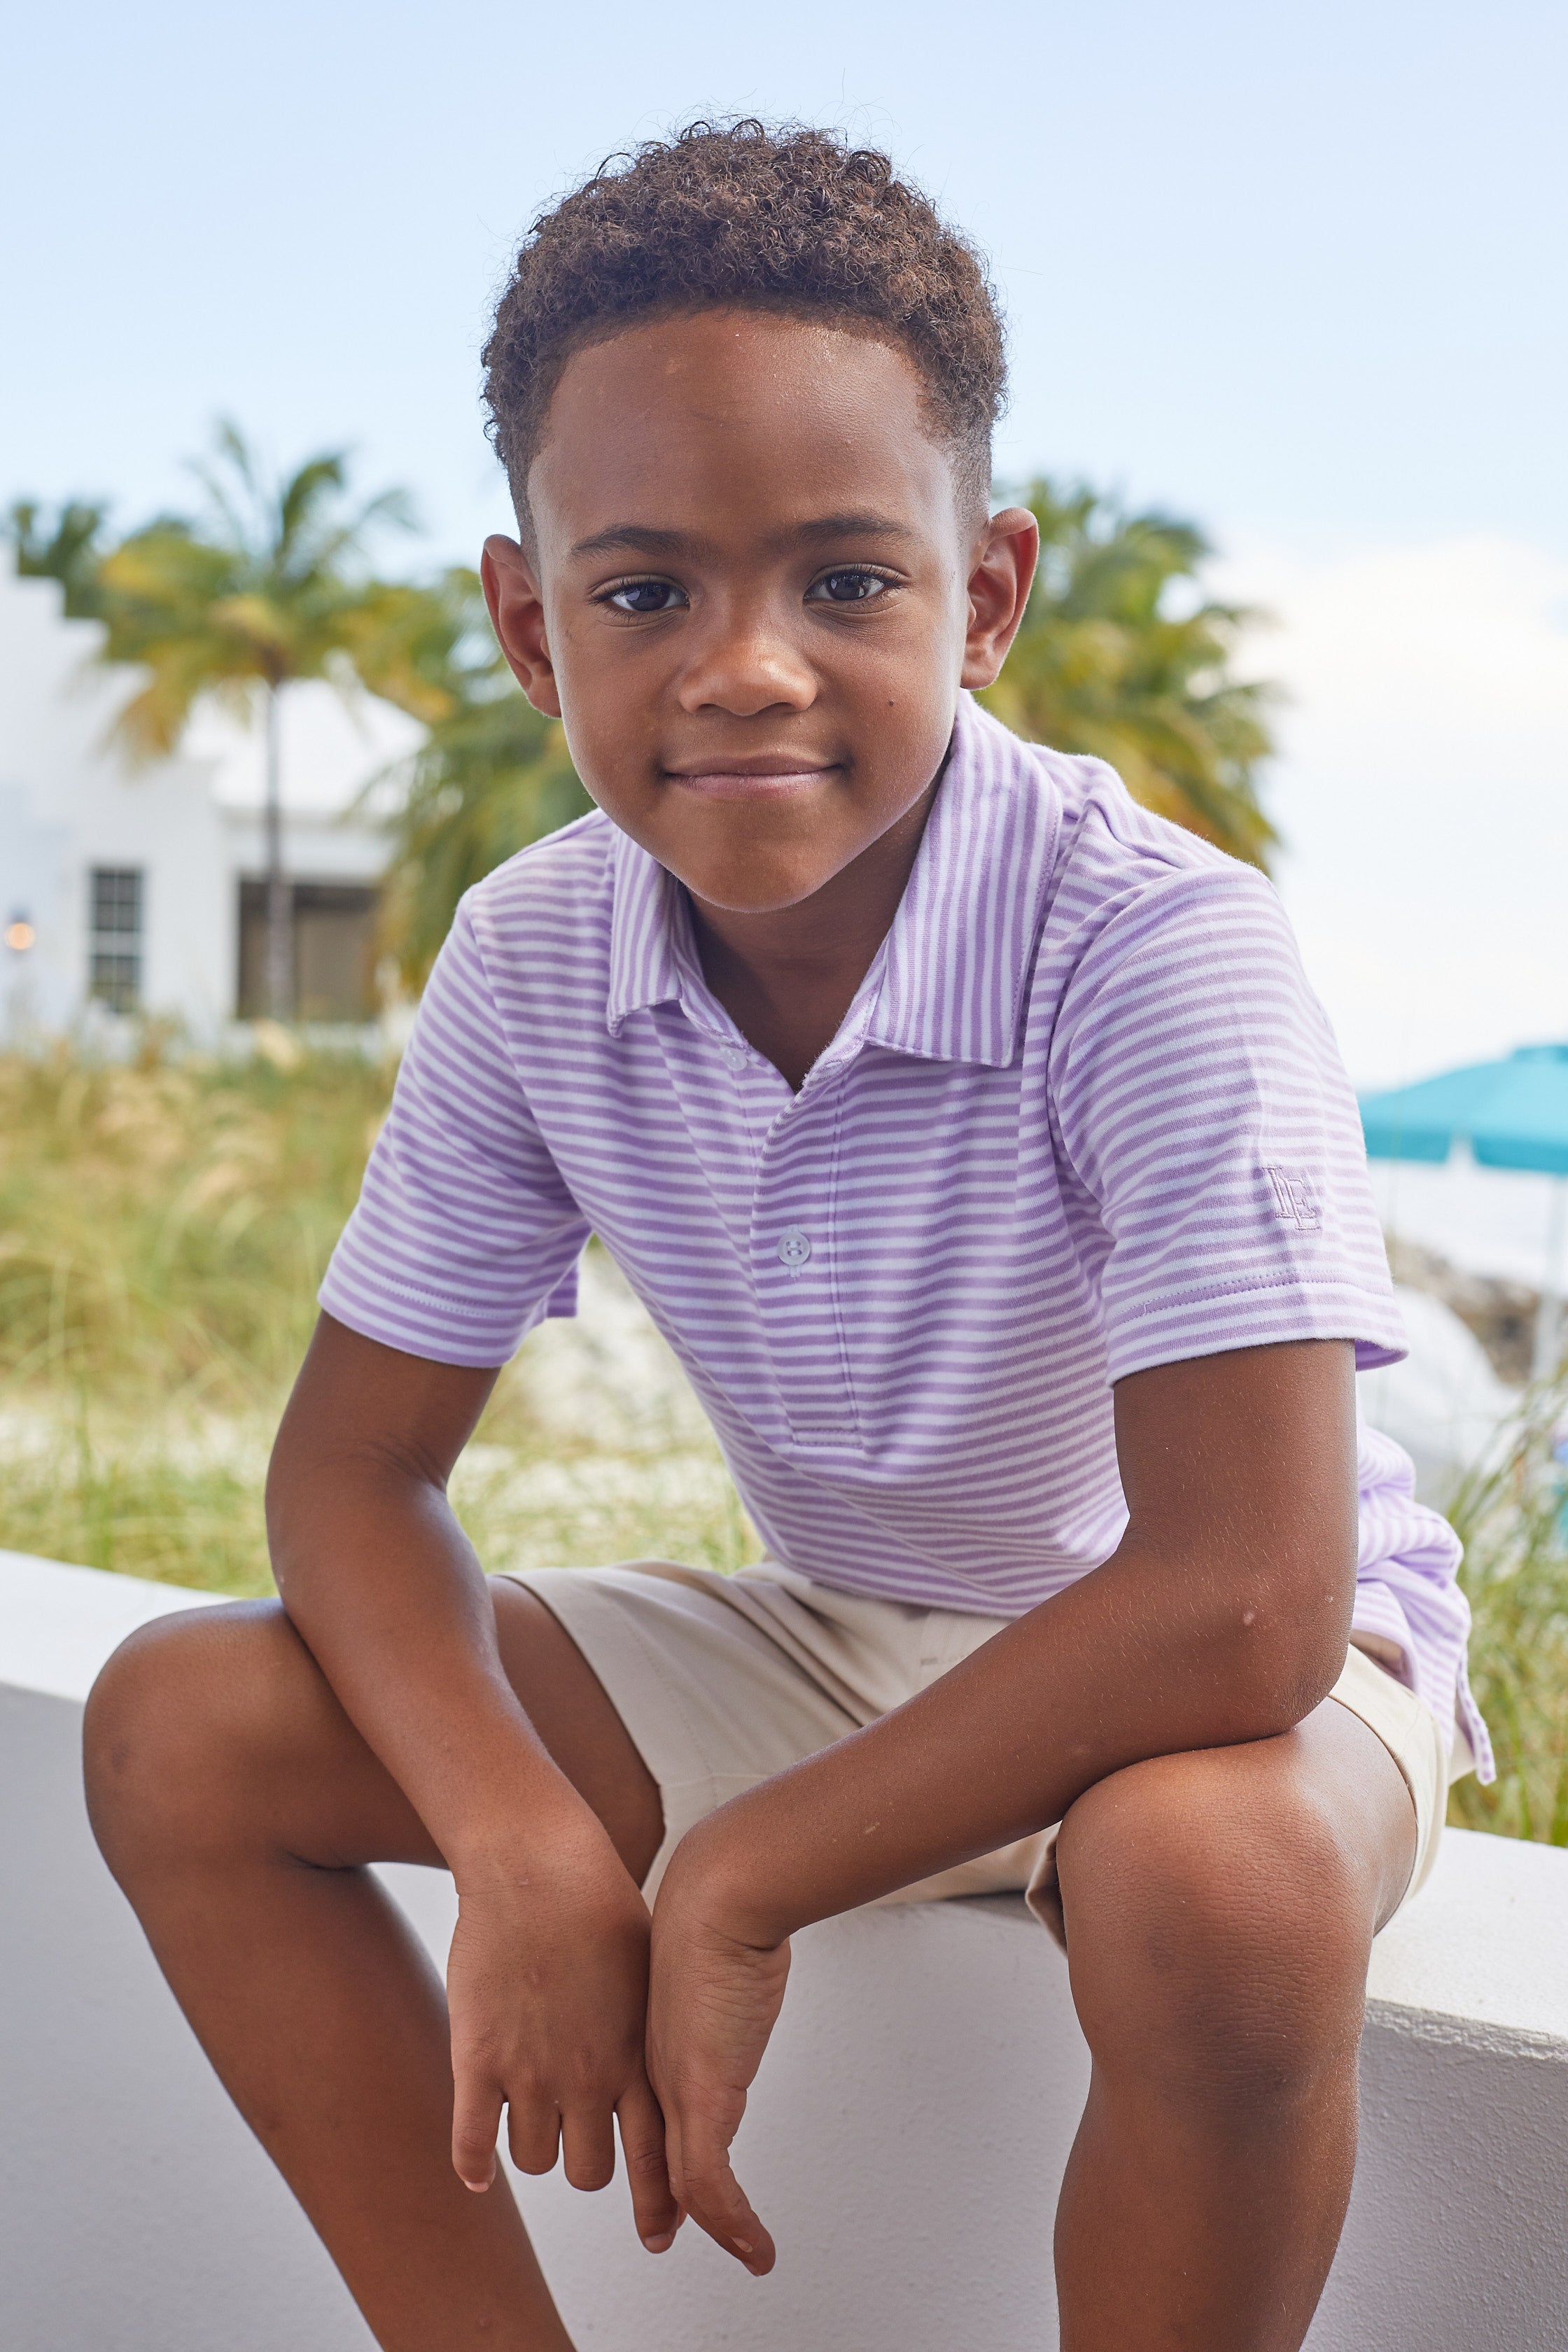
[267,589]
[492,775]
[69,551]
[1120,655]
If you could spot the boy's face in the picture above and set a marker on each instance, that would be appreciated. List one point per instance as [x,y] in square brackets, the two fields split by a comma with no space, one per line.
[754,596]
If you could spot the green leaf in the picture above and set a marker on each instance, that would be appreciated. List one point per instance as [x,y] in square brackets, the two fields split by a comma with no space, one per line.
[1120,655]
[493,777]
[67,550]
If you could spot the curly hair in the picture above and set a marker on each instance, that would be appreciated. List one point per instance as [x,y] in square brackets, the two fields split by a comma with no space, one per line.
[745,215]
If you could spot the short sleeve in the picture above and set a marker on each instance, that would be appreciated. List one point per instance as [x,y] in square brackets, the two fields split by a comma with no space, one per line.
[464,1234]
[1200,1101]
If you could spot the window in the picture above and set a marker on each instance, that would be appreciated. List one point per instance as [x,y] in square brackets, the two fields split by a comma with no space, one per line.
[114,937]
[332,963]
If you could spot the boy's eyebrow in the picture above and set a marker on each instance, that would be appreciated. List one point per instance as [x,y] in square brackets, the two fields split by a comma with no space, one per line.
[638,537]
[649,538]
[852,525]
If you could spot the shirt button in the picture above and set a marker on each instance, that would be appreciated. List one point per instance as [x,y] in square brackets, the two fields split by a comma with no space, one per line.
[736,1056]
[795,1248]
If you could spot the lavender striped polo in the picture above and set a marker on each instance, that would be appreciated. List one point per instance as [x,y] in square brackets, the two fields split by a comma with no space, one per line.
[1084,1115]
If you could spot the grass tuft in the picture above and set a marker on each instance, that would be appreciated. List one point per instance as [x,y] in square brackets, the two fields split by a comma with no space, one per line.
[1514,1518]
[165,1226]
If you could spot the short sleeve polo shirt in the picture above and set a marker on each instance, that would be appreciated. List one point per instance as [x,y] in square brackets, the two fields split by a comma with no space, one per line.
[1083,1117]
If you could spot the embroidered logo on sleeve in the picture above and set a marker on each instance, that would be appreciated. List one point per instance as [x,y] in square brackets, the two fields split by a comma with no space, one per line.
[1295,1202]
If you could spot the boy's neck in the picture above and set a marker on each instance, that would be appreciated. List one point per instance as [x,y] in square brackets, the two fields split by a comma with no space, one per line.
[788,976]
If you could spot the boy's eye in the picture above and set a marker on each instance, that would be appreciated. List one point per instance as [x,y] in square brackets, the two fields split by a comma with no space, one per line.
[646,596]
[853,586]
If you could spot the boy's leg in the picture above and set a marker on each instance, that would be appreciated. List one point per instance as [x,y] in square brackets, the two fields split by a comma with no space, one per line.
[237,1806]
[1220,1908]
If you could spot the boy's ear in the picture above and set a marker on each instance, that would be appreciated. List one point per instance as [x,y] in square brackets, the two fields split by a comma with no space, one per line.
[1002,576]
[517,615]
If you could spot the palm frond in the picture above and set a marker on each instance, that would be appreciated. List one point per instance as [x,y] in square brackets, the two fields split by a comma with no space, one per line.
[1106,662]
[67,547]
[492,778]
[242,519]
[390,509]
[266,588]
[302,499]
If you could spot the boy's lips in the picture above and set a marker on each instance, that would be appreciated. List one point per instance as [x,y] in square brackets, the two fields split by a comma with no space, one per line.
[772,782]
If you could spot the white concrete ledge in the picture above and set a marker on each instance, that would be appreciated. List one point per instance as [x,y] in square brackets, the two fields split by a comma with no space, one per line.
[906,2137]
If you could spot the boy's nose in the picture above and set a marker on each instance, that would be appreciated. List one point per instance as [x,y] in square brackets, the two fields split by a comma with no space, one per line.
[746,670]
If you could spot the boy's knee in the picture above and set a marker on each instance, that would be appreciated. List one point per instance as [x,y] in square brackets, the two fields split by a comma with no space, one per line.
[1217,1928]
[171,1725]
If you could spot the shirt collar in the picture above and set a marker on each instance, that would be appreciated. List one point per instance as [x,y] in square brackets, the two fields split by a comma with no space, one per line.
[643,917]
[962,942]
[949,980]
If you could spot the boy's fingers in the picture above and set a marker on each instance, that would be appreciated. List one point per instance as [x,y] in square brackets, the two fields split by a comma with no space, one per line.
[708,2190]
[476,2123]
[722,2210]
[588,2147]
[654,2209]
[533,2135]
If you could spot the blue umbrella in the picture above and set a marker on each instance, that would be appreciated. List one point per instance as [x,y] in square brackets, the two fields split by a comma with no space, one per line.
[1512,1114]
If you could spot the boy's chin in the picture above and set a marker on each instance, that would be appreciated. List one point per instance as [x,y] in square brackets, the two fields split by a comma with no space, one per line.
[753,886]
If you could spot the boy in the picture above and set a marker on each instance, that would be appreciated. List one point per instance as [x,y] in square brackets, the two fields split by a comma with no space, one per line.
[974,1141]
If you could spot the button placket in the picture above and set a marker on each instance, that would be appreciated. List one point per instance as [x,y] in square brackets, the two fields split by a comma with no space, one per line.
[725,1123]
[794,1258]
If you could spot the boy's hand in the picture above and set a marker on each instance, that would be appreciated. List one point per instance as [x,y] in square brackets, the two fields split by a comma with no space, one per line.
[713,2003]
[547,1988]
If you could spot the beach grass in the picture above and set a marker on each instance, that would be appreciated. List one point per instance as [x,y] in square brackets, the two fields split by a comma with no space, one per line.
[164,1223]
[1513,1517]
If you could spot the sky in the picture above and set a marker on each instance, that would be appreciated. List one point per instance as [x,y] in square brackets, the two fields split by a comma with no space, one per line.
[1294,271]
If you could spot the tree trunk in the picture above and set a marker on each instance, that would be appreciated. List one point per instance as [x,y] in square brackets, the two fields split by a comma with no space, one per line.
[279,988]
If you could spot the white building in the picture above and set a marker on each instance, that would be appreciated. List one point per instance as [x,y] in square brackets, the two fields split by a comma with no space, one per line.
[128,888]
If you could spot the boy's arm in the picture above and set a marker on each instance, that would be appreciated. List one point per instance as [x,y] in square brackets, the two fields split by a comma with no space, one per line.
[1222,1616]
[548,1976]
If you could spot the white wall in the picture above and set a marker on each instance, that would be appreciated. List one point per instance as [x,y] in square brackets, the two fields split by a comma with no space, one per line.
[69,800]
[319,848]
[68,803]
[906,2137]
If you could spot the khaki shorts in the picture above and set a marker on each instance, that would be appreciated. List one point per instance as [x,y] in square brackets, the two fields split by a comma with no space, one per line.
[722,1681]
